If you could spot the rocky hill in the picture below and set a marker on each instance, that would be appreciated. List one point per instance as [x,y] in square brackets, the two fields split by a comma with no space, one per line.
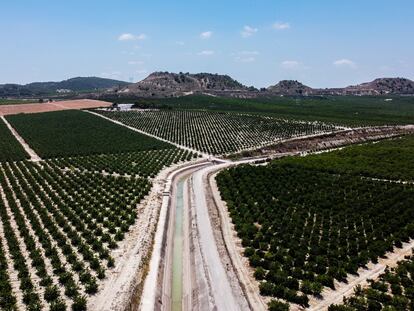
[383,86]
[74,85]
[290,88]
[168,84]
[161,84]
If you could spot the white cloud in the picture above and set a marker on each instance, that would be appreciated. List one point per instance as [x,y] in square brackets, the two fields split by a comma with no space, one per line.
[248,31]
[206,53]
[135,62]
[131,37]
[245,56]
[128,53]
[248,53]
[281,26]
[249,59]
[290,64]
[206,35]
[345,63]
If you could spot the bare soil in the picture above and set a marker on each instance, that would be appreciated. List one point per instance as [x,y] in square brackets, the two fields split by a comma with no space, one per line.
[53,106]
[314,143]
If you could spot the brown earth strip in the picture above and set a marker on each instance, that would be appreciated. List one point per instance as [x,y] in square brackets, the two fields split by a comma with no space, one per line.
[52,106]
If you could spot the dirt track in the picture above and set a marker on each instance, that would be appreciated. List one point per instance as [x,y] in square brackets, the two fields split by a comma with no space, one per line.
[53,106]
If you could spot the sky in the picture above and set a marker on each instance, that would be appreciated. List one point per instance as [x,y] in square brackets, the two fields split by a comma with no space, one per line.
[322,43]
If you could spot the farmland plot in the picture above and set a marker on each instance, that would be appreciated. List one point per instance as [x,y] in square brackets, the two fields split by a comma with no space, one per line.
[304,228]
[143,163]
[64,220]
[10,148]
[388,159]
[73,132]
[60,228]
[394,290]
[214,132]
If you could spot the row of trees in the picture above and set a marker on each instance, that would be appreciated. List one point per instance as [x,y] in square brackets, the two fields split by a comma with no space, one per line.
[69,221]
[10,148]
[214,132]
[302,229]
[74,132]
[394,290]
[7,297]
[136,164]
[389,159]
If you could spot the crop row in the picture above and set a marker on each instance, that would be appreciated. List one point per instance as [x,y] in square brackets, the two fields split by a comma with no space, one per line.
[389,159]
[73,132]
[10,148]
[7,298]
[214,132]
[394,290]
[60,227]
[303,229]
[143,163]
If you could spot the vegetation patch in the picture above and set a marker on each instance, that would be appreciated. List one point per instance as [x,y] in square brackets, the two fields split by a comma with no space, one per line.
[214,132]
[64,133]
[344,110]
[76,219]
[10,148]
[302,228]
[388,159]
[394,290]
[135,164]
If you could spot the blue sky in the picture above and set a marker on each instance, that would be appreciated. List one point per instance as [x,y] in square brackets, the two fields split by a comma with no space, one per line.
[323,43]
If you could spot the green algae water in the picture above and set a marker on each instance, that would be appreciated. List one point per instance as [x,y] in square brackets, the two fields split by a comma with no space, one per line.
[177,273]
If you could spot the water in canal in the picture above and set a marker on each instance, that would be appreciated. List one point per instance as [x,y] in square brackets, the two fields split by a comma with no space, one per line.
[177,273]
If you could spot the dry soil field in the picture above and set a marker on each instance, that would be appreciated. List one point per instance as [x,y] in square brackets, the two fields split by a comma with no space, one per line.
[53,106]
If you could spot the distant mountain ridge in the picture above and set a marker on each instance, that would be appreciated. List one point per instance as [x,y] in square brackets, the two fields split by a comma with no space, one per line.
[78,84]
[168,84]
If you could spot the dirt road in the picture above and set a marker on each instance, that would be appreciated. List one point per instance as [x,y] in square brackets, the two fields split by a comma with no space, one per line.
[219,285]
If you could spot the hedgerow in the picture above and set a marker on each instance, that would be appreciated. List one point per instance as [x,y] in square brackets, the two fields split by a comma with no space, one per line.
[73,132]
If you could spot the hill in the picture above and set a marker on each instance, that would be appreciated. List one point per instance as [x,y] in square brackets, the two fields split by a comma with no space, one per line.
[381,86]
[290,87]
[74,85]
[167,84]
[384,86]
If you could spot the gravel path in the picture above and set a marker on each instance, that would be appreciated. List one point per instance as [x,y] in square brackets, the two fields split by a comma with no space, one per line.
[224,298]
